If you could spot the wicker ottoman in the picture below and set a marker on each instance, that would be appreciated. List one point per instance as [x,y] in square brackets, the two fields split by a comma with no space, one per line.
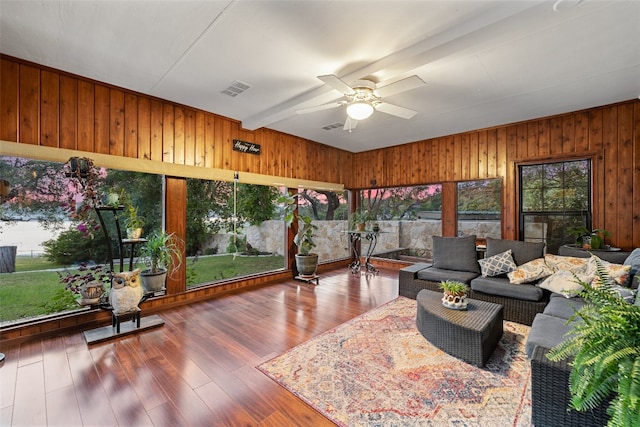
[470,335]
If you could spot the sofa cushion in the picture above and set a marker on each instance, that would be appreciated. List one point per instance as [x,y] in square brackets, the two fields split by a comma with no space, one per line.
[562,307]
[522,252]
[434,274]
[530,272]
[456,253]
[546,331]
[501,286]
[498,264]
[564,282]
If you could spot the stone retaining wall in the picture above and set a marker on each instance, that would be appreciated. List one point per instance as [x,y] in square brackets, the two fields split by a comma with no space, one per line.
[333,243]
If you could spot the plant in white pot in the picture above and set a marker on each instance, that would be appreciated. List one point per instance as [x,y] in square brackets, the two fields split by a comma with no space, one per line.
[306,262]
[455,294]
[162,255]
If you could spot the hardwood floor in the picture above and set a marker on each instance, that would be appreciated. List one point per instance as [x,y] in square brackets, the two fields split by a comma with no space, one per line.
[198,369]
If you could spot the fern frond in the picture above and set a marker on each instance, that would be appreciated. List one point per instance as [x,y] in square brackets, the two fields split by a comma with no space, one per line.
[605,345]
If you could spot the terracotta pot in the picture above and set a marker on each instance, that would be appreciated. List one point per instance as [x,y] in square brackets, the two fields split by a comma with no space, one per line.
[90,293]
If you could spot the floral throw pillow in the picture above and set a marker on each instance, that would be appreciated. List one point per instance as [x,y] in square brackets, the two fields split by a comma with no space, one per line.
[617,272]
[498,264]
[566,263]
[530,272]
[564,282]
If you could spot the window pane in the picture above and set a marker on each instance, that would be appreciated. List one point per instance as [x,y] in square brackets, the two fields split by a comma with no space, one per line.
[532,177]
[408,217]
[329,211]
[479,207]
[41,217]
[232,231]
[559,203]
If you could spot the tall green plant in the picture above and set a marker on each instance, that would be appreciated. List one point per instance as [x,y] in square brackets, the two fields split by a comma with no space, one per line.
[304,238]
[161,251]
[605,346]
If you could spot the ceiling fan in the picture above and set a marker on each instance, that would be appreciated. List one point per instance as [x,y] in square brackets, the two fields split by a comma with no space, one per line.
[364,97]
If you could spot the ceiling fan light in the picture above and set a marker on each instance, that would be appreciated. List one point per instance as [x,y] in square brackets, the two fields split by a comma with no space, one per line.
[360,110]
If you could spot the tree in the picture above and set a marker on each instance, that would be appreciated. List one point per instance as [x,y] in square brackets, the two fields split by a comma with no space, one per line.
[319,200]
[256,203]
[207,211]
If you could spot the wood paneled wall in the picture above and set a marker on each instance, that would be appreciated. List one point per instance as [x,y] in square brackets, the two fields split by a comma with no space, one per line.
[47,107]
[609,135]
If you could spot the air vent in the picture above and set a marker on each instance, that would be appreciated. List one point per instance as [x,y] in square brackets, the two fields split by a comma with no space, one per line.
[236,88]
[333,126]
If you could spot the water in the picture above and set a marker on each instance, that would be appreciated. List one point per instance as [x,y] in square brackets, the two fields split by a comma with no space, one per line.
[27,236]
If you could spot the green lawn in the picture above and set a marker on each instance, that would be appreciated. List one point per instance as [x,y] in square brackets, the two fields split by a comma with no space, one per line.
[31,291]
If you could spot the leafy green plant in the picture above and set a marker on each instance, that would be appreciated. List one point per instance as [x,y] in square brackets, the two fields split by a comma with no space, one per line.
[453,287]
[605,346]
[85,275]
[237,243]
[161,252]
[304,238]
[596,236]
[71,247]
[360,217]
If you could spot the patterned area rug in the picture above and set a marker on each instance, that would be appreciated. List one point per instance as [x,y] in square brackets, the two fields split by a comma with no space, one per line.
[378,370]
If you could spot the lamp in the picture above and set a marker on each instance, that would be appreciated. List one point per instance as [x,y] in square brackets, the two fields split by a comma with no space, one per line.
[360,110]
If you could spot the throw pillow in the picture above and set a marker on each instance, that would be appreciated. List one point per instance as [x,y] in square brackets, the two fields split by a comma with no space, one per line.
[626,294]
[497,264]
[455,253]
[563,282]
[530,272]
[568,263]
[617,272]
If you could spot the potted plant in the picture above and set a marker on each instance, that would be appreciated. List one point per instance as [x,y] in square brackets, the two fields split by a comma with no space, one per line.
[88,284]
[134,222]
[597,238]
[604,345]
[306,262]
[589,239]
[359,220]
[455,294]
[162,255]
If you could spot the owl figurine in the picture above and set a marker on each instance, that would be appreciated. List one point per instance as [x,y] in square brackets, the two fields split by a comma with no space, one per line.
[126,291]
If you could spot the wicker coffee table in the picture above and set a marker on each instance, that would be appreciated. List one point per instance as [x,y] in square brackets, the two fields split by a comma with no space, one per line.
[470,335]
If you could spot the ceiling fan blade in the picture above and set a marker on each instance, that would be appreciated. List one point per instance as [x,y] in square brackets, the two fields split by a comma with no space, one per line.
[403,85]
[320,107]
[337,83]
[396,110]
[350,124]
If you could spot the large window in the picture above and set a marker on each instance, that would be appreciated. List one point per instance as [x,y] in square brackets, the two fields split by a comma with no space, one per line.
[554,198]
[45,221]
[479,207]
[233,230]
[408,217]
[329,211]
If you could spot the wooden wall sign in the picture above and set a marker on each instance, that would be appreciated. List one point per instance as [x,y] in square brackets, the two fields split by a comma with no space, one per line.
[246,147]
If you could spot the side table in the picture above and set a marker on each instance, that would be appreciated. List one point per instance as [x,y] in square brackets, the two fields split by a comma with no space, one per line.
[355,237]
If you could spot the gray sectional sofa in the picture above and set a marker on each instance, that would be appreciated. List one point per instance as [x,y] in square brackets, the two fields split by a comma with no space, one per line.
[545,308]
[550,396]
[455,258]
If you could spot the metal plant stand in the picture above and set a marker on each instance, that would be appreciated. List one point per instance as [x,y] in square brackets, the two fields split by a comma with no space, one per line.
[356,237]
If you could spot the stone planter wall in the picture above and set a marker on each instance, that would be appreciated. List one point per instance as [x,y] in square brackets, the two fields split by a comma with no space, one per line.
[333,243]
